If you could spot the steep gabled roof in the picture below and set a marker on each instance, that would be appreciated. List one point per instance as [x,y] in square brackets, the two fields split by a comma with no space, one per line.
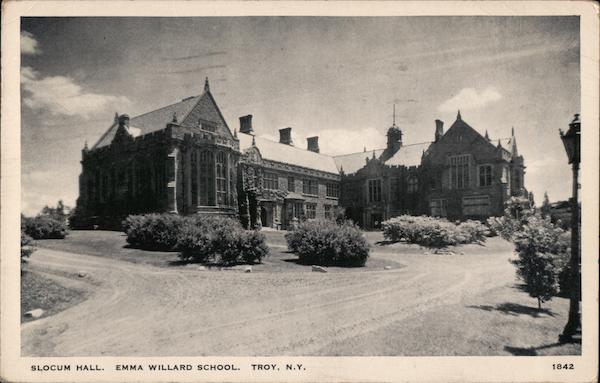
[275,151]
[187,112]
[351,163]
[408,155]
[154,120]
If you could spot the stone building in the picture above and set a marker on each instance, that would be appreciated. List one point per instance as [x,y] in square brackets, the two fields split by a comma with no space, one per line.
[280,183]
[459,175]
[181,158]
[184,159]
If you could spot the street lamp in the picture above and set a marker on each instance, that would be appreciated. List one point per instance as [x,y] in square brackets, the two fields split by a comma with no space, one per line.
[572,143]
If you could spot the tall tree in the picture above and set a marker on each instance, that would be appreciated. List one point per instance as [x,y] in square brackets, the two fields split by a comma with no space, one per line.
[545,210]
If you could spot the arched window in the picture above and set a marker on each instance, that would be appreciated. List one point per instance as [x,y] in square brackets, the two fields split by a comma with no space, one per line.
[221,178]
[207,179]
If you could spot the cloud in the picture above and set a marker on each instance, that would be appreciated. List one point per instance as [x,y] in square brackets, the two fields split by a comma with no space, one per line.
[45,187]
[29,45]
[469,98]
[342,141]
[60,95]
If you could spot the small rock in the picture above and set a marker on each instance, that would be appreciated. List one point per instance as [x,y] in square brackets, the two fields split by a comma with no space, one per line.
[319,269]
[201,268]
[248,269]
[462,253]
[387,267]
[34,313]
[82,274]
[426,253]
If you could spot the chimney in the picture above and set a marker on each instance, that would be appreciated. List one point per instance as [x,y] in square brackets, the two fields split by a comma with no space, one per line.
[313,144]
[124,120]
[285,136]
[246,124]
[439,129]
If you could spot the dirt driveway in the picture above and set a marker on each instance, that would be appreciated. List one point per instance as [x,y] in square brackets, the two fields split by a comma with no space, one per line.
[139,309]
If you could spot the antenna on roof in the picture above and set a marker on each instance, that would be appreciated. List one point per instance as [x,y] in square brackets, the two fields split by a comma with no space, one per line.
[458,117]
[394,118]
[174,117]
[206,86]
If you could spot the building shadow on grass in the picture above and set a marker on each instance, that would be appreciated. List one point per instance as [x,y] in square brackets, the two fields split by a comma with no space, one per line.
[515,309]
[529,351]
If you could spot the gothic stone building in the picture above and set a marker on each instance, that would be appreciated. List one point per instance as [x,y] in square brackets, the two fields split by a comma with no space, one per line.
[185,159]
[460,175]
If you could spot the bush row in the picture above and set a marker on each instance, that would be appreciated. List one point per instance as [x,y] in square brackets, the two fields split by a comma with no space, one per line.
[44,227]
[325,243]
[198,239]
[432,231]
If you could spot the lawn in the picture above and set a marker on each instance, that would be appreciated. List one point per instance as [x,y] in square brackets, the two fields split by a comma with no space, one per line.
[40,292]
[113,244]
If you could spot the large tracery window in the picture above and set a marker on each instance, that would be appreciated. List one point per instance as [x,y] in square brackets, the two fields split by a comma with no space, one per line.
[232,178]
[221,178]
[459,171]
[194,177]
[207,179]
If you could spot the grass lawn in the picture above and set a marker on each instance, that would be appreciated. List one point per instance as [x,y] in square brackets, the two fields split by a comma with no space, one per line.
[39,292]
[112,244]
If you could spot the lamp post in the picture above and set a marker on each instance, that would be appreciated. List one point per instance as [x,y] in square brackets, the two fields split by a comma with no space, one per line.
[572,141]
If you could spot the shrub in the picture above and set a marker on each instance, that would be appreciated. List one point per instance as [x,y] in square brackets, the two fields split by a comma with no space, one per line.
[194,244]
[474,231]
[252,246]
[431,231]
[26,247]
[325,243]
[153,231]
[539,246]
[44,227]
[220,239]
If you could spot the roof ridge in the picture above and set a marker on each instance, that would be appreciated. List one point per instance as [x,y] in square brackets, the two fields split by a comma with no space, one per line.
[371,150]
[167,106]
[290,146]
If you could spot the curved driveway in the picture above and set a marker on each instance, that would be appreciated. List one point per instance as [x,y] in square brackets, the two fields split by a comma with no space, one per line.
[137,309]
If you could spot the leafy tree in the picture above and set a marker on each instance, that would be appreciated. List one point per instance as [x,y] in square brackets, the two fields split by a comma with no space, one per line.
[537,244]
[58,213]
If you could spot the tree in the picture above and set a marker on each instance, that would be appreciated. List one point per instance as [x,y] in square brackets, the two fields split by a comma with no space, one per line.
[545,206]
[58,213]
[537,244]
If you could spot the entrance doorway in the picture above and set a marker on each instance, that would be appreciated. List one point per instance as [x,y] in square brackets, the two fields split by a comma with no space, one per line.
[263,216]
[376,221]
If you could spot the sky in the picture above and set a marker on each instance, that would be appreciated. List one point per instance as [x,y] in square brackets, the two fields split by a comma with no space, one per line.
[335,77]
